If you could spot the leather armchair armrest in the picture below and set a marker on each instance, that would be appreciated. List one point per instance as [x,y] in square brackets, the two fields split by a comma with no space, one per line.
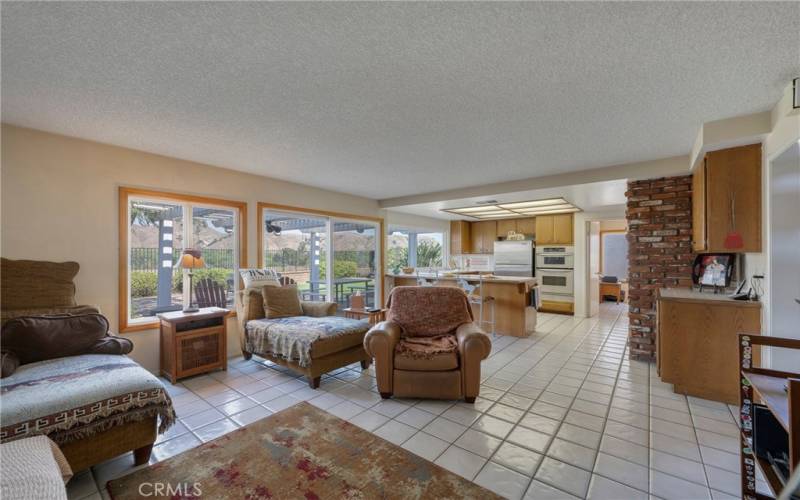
[379,343]
[473,342]
[473,347]
[318,308]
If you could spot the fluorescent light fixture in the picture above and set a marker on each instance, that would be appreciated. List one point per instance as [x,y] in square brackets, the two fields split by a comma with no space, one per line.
[528,204]
[558,211]
[495,216]
[491,212]
[468,210]
[560,206]
[516,209]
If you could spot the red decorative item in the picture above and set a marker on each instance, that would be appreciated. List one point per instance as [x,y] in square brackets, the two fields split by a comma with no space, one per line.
[733,239]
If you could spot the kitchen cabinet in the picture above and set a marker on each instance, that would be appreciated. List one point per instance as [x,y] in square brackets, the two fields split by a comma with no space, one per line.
[484,234]
[460,237]
[554,229]
[525,226]
[698,344]
[726,199]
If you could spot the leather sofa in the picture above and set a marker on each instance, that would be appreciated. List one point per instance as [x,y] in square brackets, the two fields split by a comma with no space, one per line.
[429,346]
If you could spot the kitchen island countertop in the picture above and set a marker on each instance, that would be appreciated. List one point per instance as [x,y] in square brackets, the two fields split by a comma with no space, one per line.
[490,278]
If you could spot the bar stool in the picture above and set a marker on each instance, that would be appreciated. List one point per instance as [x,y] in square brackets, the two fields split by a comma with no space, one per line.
[424,282]
[480,300]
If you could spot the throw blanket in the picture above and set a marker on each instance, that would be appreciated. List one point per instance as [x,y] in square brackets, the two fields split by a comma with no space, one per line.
[292,338]
[426,347]
[34,468]
[78,396]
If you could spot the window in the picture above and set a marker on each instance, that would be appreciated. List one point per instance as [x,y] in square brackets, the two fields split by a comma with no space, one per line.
[303,244]
[407,248]
[614,254]
[155,228]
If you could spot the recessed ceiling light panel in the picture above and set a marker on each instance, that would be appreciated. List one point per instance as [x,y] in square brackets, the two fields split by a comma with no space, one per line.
[516,209]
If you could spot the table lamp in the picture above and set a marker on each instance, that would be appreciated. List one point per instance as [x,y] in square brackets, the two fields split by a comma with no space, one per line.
[191,259]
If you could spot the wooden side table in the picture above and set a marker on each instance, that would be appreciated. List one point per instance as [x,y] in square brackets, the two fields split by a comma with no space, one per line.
[372,316]
[193,343]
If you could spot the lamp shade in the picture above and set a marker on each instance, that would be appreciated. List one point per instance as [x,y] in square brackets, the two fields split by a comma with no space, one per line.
[192,259]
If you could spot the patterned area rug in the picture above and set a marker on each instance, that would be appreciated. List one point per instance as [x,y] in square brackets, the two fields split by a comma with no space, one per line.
[300,452]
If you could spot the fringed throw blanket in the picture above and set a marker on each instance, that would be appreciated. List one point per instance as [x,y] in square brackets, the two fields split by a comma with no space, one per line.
[78,396]
[293,338]
[426,347]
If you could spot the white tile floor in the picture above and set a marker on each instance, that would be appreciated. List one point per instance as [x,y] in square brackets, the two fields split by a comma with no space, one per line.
[561,414]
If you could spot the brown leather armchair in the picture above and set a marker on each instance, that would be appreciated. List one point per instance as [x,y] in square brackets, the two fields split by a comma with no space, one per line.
[429,346]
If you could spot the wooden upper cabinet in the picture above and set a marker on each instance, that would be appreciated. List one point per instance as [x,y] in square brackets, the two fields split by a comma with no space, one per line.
[731,196]
[526,225]
[554,229]
[544,230]
[521,226]
[562,229]
[506,225]
[699,208]
[460,237]
[484,234]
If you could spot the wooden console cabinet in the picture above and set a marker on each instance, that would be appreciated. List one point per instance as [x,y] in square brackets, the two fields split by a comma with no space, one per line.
[698,345]
[193,343]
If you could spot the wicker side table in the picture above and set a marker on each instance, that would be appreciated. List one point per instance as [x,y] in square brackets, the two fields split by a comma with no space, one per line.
[193,343]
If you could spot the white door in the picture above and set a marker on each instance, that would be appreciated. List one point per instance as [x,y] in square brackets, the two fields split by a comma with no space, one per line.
[784,279]
[593,276]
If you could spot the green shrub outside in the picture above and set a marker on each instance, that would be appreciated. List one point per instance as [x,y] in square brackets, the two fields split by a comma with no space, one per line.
[341,269]
[145,283]
[218,274]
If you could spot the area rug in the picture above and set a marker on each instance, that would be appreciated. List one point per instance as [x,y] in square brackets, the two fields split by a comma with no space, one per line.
[300,452]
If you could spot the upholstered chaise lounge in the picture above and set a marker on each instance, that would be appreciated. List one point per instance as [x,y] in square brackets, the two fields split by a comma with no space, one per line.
[429,346]
[313,343]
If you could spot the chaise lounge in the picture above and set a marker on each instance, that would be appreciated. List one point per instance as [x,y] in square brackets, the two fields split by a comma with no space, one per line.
[312,342]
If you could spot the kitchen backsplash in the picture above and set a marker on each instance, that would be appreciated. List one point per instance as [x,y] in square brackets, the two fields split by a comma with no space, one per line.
[474,262]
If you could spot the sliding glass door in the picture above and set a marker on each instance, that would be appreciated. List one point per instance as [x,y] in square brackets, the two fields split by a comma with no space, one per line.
[302,247]
[295,246]
[355,251]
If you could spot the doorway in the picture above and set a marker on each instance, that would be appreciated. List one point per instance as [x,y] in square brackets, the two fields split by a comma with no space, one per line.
[784,240]
[607,263]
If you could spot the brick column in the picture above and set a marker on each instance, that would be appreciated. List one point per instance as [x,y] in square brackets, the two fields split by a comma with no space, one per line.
[660,253]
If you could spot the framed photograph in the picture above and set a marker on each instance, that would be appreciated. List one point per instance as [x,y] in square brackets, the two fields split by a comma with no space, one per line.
[713,269]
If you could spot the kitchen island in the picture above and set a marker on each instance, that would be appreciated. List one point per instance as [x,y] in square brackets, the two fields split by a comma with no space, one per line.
[515,315]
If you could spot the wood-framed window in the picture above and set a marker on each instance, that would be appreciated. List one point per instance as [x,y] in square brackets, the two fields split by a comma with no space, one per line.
[154,228]
[614,253]
[302,244]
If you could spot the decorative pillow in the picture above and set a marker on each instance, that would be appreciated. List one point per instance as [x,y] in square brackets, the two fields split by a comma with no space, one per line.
[33,284]
[38,338]
[281,301]
[256,278]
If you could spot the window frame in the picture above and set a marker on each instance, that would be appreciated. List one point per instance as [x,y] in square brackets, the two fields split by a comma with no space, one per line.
[125,195]
[602,244]
[332,217]
[413,243]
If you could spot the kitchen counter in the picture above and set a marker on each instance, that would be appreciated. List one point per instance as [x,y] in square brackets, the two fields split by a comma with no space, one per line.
[487,278]
[513,311]
[691,295]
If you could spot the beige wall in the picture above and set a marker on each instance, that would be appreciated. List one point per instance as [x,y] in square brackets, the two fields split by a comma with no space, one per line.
[59,202]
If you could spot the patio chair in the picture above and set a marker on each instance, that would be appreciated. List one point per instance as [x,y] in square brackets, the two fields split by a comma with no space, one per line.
[209,293]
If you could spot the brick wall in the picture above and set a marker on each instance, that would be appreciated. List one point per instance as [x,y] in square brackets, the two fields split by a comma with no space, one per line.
[659,214]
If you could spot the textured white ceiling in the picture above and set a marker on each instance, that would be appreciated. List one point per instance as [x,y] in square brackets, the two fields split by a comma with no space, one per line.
[390,99]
